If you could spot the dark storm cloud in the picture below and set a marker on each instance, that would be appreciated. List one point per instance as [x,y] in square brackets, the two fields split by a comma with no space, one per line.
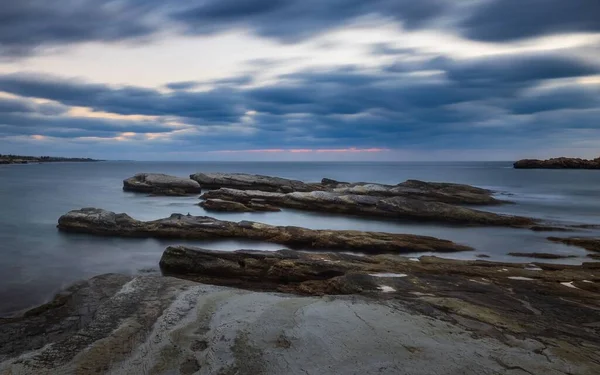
[26,25]
[183,85]
[211,106]
[291,20]
[506,20]
[514,68]
[466,100]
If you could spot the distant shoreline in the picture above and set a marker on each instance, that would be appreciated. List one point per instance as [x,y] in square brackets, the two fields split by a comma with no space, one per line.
[19,159]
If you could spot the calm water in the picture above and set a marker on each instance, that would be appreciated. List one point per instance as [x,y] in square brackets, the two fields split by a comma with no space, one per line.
[36,260]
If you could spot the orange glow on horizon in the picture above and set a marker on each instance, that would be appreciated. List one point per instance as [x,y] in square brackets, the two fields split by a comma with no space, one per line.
[305,150]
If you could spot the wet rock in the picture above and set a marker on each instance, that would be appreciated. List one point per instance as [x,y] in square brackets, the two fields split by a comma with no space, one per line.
[588,243]
[429,191]
[416,317]
[558,163]
[369,205]
[221,205]
[161,184]
[101,222]
[244,181]
[161,325]
[542,255]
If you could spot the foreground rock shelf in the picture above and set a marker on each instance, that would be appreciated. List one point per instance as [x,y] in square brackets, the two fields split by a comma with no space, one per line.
[327,273]
[558,163]
[431,317]
[101,222]
[367,205]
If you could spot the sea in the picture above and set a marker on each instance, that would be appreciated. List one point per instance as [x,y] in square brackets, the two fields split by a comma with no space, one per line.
[37,261]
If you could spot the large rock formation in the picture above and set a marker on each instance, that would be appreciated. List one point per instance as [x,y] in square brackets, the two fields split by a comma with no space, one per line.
[246,181]
[558,163]
[101,222]
[334,273]
[368,205]
[161,184]
[430,191]
[437,317]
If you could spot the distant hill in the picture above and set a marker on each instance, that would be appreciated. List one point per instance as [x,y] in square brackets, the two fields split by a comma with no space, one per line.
[20,159]
[558,163]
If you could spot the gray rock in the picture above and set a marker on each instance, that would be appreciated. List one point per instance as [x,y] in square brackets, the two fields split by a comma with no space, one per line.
[220,205]
[161,184]
[396,207]
[245,181]
[101,222]
[114,324]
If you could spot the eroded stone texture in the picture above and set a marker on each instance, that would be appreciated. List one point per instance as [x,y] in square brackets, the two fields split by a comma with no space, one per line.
[161,184]
[396,207]
[432,319]
[101,222]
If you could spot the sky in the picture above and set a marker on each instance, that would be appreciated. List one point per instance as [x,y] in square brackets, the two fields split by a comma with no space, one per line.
[372,80]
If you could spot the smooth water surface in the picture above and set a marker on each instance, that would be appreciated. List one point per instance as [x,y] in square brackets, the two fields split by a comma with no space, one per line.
[36,260]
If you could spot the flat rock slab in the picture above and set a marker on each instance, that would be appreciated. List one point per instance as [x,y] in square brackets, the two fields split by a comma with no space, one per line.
[429,191]
[396,207]
[246,181]
[329,273]
[115,324]
[220,205]
[102,222]
[161,184]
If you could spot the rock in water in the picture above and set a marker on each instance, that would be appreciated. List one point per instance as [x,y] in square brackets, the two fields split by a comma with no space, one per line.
[415,189]
[161,184]
[101,222]
[558,163]
[588,243]
[396,207]
[245,181]
[220,205]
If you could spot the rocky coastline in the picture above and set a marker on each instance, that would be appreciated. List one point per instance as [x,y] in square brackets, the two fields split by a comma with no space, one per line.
[291,312]
[558,163]
[334,301]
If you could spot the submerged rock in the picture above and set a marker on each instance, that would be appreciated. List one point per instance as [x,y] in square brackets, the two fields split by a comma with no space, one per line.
[558,163]
[161,184]
[221,205]
[368,205]
[101,222]
[115,324]
[588,243]
[244,181]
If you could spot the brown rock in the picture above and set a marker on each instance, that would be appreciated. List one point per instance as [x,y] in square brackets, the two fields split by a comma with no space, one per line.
[101,222]
[588,243]
[369,205]
[221,205]
[558,163]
